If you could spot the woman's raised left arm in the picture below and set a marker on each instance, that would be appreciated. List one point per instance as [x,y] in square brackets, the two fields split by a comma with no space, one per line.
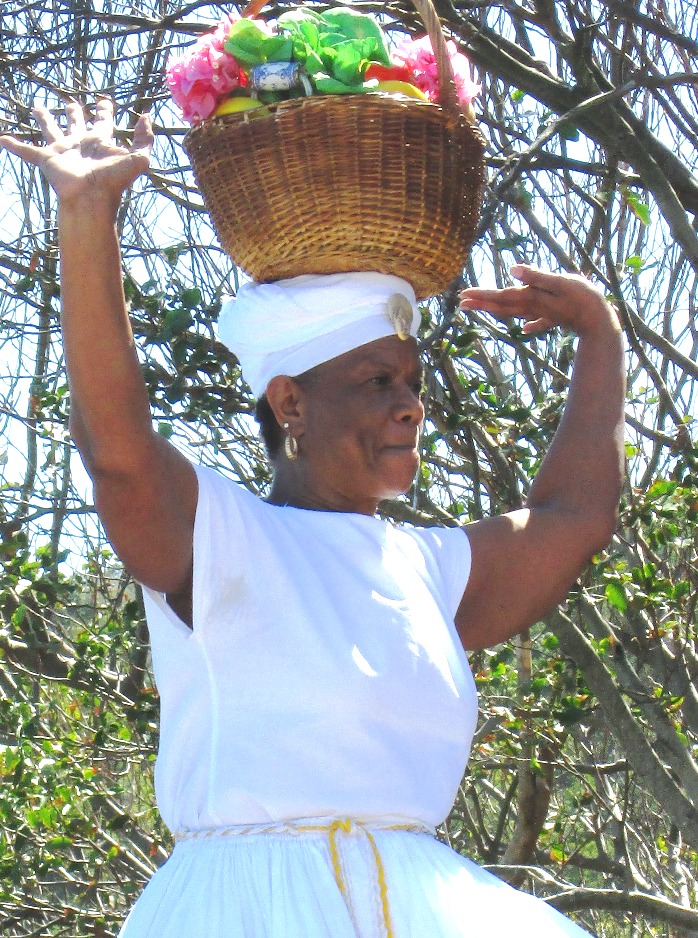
[524,562]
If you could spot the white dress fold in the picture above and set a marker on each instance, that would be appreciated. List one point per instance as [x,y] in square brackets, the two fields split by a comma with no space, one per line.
[282,886]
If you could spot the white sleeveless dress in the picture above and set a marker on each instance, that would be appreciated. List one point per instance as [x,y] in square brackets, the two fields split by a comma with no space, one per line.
[315,725]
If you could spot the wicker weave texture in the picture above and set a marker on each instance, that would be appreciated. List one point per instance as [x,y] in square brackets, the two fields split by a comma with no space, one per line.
[343,183]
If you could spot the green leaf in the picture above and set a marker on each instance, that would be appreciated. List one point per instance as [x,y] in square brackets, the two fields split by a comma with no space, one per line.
[615,594]
[24,284]
[510,243]
[634,262]
[171,255]
[175,321]
[191,297]
[661,488]
[568,131]
[62,840]
[314,64]
[465,339]
[680,589]
[639,208]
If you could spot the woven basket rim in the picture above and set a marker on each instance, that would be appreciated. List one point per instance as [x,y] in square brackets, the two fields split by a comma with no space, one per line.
[373,98]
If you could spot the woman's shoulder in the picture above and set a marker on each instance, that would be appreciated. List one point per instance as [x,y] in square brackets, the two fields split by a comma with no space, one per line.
[435,537]
[226,510]
[214,484]
[446,555]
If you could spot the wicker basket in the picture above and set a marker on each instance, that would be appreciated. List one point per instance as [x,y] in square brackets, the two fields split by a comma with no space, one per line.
[337,183]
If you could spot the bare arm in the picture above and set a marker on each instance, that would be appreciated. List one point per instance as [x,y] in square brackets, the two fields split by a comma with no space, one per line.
[524,562]
[145,491]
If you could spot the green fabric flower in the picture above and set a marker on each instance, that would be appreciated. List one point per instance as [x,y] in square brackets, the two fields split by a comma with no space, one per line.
[334,47]
[251,45]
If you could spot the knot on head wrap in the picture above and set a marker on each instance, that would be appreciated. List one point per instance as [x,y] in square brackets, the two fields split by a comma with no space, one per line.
[288,327]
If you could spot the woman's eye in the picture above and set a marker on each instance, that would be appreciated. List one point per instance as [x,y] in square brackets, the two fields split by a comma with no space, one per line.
[381,381]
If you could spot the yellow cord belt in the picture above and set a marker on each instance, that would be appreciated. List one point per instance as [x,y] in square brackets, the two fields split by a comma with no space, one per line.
[336,829]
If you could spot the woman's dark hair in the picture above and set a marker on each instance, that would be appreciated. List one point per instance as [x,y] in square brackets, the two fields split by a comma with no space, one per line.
[270,431]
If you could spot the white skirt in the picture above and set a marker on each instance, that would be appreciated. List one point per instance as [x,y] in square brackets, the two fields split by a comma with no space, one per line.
[334,879]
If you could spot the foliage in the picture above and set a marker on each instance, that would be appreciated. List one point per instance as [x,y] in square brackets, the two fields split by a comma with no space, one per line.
[583,784]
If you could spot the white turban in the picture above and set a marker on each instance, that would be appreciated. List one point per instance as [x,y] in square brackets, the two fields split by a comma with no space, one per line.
[287,327]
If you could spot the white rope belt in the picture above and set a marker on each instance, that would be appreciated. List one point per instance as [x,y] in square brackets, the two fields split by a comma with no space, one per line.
[336,829]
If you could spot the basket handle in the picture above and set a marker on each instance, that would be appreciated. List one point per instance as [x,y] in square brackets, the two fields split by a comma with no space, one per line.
[448,96]
[253,8]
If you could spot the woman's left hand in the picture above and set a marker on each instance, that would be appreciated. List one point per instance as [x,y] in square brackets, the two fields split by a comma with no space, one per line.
[544,300]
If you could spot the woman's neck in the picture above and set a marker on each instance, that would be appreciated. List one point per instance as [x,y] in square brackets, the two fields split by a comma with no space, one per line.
[294,489]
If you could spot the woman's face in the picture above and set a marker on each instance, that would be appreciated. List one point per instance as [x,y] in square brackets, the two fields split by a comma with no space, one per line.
[362,416]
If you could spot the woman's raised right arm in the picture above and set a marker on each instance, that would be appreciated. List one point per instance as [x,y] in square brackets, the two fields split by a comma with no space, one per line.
[145,490]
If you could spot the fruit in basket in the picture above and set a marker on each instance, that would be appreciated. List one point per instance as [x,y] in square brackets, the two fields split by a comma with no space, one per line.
[340,51]
[236,104]
[400,87]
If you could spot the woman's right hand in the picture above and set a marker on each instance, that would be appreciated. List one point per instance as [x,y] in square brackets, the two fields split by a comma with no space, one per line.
[84,161]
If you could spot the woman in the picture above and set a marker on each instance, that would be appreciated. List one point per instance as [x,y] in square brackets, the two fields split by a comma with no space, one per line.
[317,706]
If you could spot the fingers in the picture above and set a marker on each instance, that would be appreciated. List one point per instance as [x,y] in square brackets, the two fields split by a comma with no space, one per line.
[539,307]
[25,151]
[534,326]
[509,301]
[51,131]
[544,300]
[103,123]
[539,279]
[143,135]
[536,299]
[46,121]
[493,297]
[565,286]
[76,118]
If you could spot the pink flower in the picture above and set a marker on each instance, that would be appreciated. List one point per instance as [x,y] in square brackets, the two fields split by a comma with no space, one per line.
[418,56]
[205,74]
[220,33]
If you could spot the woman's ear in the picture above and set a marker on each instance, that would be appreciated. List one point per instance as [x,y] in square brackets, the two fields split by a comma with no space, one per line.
[285,397]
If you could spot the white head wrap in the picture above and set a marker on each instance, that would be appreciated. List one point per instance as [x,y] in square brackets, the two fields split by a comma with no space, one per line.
[287,327]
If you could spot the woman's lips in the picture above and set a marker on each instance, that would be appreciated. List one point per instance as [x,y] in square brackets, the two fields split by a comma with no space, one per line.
[410,447]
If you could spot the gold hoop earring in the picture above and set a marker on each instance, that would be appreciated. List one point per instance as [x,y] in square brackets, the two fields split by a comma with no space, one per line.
[290,444]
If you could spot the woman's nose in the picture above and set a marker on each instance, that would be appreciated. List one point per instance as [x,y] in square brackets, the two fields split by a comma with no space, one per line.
[410,407]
